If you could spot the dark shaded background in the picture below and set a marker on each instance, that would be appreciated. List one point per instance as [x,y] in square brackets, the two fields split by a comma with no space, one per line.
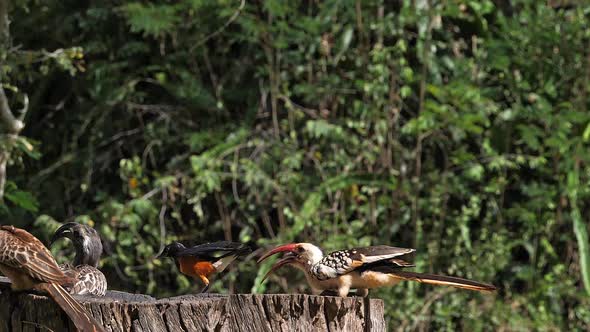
[459,128]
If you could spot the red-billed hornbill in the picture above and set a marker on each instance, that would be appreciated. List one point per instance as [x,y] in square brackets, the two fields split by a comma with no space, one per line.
[359,268]
[89,279]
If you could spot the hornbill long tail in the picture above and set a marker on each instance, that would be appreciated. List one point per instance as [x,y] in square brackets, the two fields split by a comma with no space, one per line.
[360,269]
[204,260]
[30,266]
[435,279]
[86,241]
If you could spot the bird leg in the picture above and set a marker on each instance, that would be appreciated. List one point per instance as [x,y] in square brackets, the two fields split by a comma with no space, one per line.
[362,292]
[206,282]
[205,289]
[344,286]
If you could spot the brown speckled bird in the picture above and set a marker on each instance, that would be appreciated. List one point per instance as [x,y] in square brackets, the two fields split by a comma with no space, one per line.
[359,268]
[29,266]
[89,279]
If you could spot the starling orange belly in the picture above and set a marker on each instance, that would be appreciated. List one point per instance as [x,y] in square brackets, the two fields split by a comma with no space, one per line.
[195,267]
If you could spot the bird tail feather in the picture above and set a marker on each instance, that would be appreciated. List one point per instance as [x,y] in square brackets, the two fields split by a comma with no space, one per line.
[225,260]
[445,281]
[77,313]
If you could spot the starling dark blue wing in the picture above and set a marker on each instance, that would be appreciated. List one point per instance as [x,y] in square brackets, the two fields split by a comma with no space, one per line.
[215,250]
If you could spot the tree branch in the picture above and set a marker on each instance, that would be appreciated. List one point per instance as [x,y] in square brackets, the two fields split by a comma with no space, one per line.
[223,27]
[10,122]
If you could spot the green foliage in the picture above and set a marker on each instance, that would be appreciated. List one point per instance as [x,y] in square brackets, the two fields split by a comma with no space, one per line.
[459,128]
[579,227]
[21,199]
[151,20]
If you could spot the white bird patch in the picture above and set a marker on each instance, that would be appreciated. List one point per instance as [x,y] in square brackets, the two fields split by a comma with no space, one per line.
[376,258]
[221,264]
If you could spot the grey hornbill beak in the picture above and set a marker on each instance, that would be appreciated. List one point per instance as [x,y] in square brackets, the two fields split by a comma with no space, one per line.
[64,231]
[289,258]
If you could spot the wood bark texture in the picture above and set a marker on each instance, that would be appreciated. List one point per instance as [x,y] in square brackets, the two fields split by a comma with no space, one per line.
[119,311]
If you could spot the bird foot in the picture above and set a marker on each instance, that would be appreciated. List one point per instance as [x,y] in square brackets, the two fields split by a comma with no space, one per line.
[205,289]
[329,292]
[359,292]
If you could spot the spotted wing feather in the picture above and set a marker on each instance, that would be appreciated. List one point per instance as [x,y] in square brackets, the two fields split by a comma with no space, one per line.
[89,280]
[342,262]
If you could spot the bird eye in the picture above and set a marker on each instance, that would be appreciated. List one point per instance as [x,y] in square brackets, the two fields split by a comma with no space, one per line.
[299,250]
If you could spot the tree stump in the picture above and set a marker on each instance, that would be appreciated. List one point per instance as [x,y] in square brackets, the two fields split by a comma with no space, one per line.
[119,311]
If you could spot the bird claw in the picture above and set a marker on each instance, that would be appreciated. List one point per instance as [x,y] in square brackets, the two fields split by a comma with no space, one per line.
[362,292]
[204,290]
[329,292]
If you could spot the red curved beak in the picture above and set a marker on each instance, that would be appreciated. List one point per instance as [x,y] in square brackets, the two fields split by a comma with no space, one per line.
[290,249]
[290,258]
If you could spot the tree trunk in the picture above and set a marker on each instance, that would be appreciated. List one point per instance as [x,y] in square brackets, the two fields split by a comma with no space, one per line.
[120,311]
[10,124]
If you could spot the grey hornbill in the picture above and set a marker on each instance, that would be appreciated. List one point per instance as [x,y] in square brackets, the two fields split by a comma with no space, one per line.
[85,267]
[359,268]
[30,266]
[204,260]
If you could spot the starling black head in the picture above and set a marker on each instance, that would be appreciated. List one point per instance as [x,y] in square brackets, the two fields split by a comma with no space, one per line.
[86,242]
[172,249]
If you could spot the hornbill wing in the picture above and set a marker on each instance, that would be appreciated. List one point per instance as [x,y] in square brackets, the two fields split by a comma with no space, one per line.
[216,250]
[90,281]
[373,254]
[394,264]
[24,251]
[342,262]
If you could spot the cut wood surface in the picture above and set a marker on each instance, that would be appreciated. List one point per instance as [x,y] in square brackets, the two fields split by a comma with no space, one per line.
[119,311]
